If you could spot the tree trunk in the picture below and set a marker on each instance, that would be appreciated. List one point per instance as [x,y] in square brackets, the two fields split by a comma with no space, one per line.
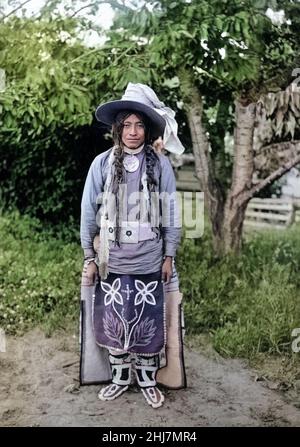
[227,212]
[226,216]
[213,195]
[243,168]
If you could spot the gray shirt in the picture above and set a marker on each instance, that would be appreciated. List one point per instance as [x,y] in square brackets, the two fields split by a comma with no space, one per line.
[142,257]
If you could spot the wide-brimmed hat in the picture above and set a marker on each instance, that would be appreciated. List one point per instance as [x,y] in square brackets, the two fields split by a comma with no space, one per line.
[141,98]
[137,98]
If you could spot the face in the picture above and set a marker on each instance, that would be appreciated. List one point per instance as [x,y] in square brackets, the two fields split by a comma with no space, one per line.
[133,133]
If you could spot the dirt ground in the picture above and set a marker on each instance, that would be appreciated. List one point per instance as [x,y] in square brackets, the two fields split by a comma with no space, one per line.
[39,387]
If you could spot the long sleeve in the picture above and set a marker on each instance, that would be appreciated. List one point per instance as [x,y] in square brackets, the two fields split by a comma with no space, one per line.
[89,205]
[171,224]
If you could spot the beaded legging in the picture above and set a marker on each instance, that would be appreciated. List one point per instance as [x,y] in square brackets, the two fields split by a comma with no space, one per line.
[145,368]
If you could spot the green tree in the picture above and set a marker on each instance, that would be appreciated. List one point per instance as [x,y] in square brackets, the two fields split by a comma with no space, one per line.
[227,53]
[53,86]
[47,100]
[222,58]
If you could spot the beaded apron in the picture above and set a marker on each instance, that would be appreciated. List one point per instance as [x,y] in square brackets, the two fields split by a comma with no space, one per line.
[129,313]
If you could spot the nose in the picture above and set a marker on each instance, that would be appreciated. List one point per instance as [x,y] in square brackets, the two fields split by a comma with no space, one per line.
[133,130]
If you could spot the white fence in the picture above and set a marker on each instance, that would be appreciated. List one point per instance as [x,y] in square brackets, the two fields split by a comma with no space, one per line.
[270,213]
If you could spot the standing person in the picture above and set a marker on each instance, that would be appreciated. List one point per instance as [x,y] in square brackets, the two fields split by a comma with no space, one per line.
[139,234]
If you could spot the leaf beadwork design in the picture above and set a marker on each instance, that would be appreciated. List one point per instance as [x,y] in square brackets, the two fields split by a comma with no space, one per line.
[143,333]
[113,328]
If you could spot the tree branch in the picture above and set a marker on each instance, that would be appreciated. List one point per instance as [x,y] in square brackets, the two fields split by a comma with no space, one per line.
[101,49]
[243,161]
[15,10]
[112,3]
[115,4]
[271,178]
[279,146]
[271,157]
[83,7]
[194,108]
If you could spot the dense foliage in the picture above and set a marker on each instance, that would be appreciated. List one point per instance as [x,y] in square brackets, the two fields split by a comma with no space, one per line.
[48,134]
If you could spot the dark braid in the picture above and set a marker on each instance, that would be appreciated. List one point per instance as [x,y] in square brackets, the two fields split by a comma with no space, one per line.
[151,160]
[119,168]
[117,180]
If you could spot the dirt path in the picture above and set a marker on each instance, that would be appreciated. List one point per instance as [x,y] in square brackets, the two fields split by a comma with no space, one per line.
[39,387]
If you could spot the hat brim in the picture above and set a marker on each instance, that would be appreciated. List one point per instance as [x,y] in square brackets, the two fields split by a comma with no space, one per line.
[106,114]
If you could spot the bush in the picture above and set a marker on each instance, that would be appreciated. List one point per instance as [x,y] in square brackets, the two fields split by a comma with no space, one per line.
[49,135]
[40,277]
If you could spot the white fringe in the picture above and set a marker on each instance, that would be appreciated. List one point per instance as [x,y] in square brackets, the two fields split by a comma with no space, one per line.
[104,242]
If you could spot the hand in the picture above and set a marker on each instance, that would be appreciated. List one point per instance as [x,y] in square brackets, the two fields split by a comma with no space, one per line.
[158,146]
[90,271]
[167,270]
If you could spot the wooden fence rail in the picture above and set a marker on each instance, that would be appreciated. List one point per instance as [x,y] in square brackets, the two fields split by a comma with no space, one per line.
[270,213]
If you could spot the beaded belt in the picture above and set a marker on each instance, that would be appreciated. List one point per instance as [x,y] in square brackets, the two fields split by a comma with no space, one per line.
[132,232]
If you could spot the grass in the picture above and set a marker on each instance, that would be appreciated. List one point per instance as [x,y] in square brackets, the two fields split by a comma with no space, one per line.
[39,277]
[246,305]
[249,304]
